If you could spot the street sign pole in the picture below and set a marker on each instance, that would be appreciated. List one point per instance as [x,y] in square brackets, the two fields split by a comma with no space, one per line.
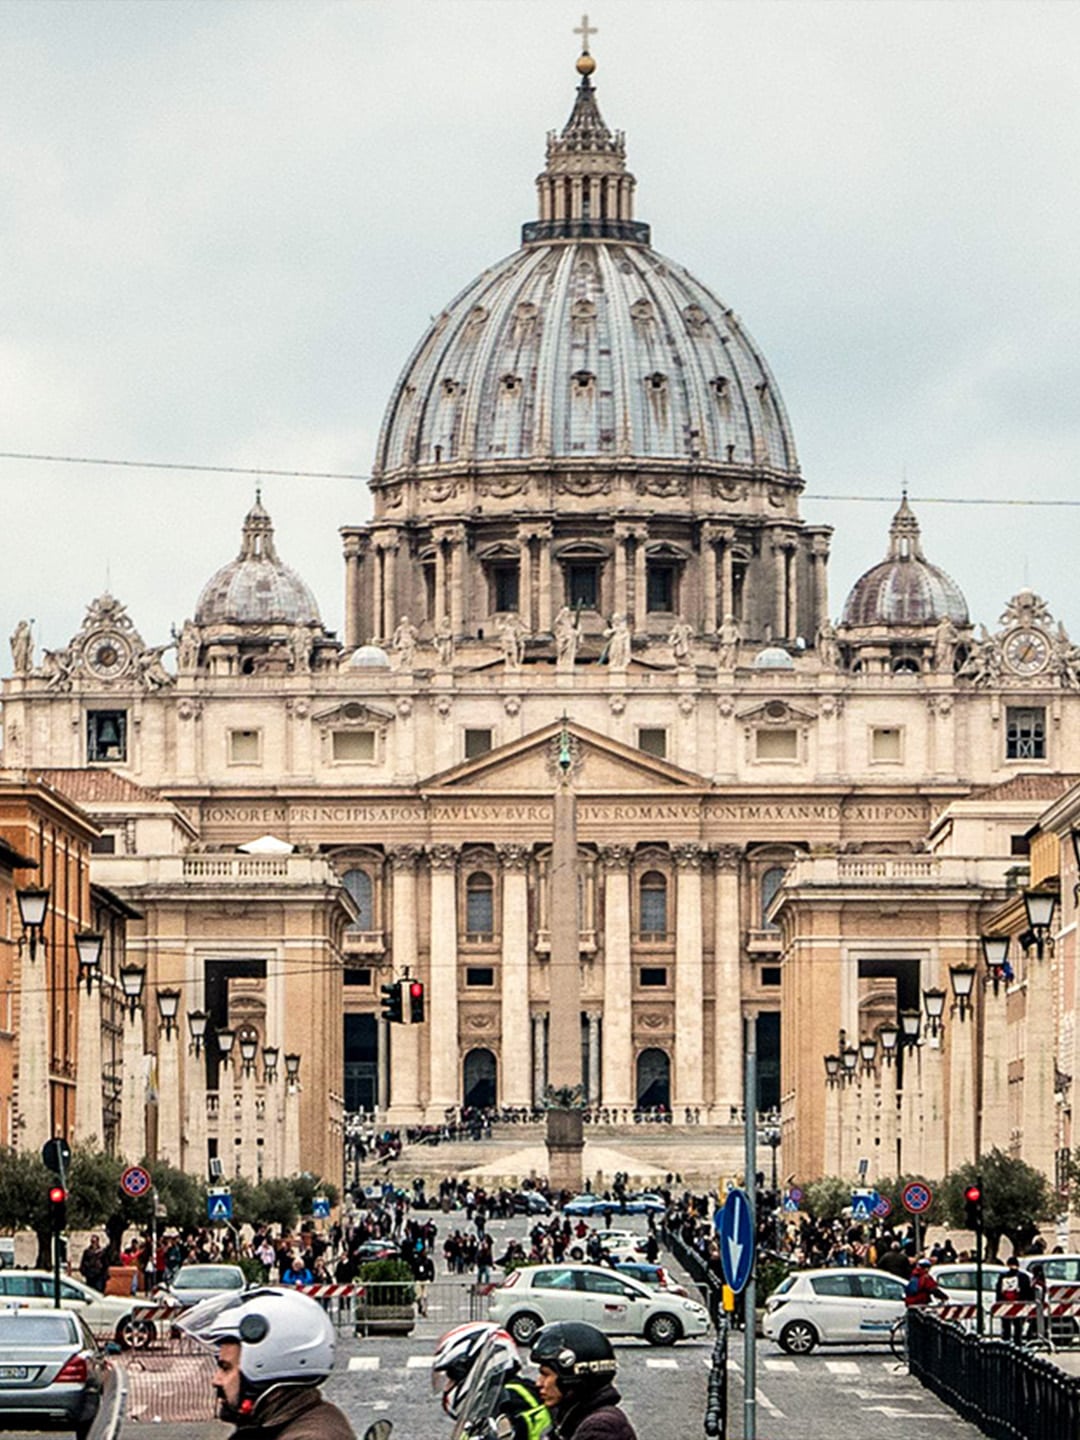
[750,1293]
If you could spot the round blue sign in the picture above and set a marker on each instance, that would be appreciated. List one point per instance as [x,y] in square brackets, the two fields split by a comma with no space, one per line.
[917,1197]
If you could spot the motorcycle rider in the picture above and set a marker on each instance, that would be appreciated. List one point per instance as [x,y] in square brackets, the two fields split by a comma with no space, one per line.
[454,1369]
[274,1349]
[577,1367]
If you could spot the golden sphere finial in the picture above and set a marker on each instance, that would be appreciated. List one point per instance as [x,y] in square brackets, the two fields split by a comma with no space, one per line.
[585,64]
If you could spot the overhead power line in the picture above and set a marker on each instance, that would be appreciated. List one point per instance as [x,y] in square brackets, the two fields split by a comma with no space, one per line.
[351,475]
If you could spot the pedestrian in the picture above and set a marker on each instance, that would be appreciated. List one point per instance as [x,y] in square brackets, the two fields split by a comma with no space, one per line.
[93,1266]
[922,1288]
[1013,1286]
[274,1349]
[577,1368]
[297,1272]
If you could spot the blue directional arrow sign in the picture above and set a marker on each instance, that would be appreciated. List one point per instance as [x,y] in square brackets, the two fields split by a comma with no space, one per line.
[219,1207]
[735,1228]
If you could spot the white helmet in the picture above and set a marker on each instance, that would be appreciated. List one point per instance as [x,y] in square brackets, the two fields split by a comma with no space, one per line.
[284,1337]
[454,1367]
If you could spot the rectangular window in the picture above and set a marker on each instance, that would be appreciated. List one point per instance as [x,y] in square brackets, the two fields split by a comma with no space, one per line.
[770,975]
[1019,845]
[777,744]
[106,735]
[505,586]
[583,587]
[477,743]
[479,913]
[244,747]
[660,587]
[1025,733]
[354,746]
[885,744]
[653,742]
[653,975]
[479,975]
[358,977]
[103,845]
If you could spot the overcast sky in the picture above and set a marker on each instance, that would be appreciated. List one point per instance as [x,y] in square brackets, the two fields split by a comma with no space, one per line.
[223,227]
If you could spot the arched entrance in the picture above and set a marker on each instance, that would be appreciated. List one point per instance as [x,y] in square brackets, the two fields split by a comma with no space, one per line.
[480,1075]
[653,1080]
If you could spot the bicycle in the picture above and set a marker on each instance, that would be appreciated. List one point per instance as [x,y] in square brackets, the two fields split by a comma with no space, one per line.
[898,1338]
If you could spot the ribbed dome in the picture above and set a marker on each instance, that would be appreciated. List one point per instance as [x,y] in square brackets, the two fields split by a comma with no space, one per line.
[256,588]
[905,589]
[591,348]
[585,343]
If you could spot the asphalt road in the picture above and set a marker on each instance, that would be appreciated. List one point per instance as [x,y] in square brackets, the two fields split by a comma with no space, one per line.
[828,1395]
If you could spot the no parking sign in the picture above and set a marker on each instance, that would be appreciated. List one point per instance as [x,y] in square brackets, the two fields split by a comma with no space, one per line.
[917,1197]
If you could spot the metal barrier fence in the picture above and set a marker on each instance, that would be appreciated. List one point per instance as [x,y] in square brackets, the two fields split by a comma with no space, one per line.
[1009,1393]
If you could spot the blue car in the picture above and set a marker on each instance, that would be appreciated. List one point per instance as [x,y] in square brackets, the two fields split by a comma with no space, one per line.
[586,1205]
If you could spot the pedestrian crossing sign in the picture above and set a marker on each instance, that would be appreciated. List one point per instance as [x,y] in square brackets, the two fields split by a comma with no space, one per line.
[219,1208]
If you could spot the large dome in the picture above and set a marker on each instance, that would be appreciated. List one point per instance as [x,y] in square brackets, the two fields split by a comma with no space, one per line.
[904,589]
[256,588]
[586,343]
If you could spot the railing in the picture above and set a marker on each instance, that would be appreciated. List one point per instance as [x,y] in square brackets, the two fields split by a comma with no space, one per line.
[998,1386]
[236,867]
[902,867]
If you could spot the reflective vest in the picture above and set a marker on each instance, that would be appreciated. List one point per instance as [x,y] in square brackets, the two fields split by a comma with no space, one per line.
[531,1411]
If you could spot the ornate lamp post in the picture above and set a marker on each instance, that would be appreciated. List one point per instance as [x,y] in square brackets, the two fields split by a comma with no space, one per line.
[888,1127]
[226,1040]
[133,1092]
[249,1119]
[194,1139]
[1038,1110]
[89,1112]
[963,1102]
[168,1137]
[35,1108]
[33,902]
[994,1131]
[292,1115]
[932,1064]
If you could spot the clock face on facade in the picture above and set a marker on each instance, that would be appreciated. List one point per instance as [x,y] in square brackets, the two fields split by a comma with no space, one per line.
[1027,651]
[107,655]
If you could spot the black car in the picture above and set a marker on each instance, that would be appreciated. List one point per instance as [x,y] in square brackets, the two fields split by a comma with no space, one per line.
[52,1371]
[530,1202]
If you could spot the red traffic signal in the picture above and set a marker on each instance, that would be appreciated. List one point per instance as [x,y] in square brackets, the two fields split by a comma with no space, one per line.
[973,1207]
[416,1001]
[57,1207]
[973,1194]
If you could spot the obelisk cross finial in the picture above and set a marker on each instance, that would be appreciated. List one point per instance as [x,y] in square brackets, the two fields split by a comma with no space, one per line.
[585,30]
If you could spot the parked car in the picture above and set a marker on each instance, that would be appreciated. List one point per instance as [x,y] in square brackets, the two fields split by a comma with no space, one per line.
[530,1202]
[958,1282]
[585,1206]
[623,1244]
[115,1316]
[644,1204]
[655,1276]
[1055,1270]
[52,1371]
[535,1295]
[377,1250]
[833,1307]
[7,1252]
[194,1283]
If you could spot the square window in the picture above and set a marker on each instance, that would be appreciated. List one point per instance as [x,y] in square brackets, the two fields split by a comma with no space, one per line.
[106,735]
[358,977]
[583,587]
[777,744]
[770,975]
[103,845]
[653,742]
[244,747]
[354,746]
[660,588]
[1025,733]
[1019,845]
[477,743]
[652,975]
[480,975]
[504,580]
[885,744]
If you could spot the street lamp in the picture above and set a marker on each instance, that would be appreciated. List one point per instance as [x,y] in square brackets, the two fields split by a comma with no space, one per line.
[995,950]
[292,1068]
[225,1039]
[1039,905]
[832,1069]
[88,945]
[33,903]
[196,1020]
[888,1034]
[962,980]
[910,1021]
[849,1057]
[132,980]
[868,1053]
[934,1000]
[249,1048]
[168,1004]
[270,1063]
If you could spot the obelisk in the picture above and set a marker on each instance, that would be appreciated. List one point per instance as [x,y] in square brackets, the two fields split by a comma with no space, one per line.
[564,1097]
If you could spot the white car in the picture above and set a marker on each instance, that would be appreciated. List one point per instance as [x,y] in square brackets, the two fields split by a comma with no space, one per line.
[843,1306]
[110,1316]
[535,1295]
[619,1242]
[958,1281]
[194,1283]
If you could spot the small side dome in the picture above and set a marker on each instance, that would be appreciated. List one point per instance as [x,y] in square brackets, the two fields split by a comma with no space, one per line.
[256,587]
[369,657]
[773,657]
[904,589]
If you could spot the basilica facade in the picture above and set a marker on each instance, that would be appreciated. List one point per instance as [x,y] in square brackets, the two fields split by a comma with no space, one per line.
[585,524]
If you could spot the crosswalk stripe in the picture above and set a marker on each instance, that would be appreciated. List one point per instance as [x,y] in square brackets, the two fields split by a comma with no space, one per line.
[662,1364]
[418,1362]
[363,1362]
[842,1367]
[780,1365]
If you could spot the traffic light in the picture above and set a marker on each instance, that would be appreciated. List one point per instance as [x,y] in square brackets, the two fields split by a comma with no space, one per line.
[391,1003]
[973,1207]
[57,1208]
[416,1002]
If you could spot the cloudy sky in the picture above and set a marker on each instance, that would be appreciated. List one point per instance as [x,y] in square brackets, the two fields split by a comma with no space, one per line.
[223,226]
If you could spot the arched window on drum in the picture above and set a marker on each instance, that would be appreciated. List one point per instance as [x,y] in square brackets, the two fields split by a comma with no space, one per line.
[362,892]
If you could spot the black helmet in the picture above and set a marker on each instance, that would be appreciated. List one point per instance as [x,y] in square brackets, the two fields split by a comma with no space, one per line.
[578,1353]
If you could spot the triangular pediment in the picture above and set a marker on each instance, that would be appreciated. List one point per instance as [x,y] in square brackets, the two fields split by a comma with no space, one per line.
[600,765]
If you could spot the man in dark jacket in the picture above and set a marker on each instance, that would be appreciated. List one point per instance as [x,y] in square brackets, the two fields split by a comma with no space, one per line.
[577,1367]
[1015,1285]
